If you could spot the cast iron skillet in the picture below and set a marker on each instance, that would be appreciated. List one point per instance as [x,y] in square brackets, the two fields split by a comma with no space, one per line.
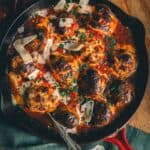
[19,118]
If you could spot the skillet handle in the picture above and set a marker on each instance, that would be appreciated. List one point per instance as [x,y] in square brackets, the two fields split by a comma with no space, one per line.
[120,140]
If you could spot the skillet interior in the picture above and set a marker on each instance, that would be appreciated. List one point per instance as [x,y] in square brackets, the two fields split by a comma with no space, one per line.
[140,79]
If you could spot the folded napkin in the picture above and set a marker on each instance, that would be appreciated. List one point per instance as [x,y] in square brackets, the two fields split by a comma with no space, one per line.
[15,139]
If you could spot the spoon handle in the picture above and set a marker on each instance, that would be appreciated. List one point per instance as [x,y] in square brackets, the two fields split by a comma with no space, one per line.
[72,145]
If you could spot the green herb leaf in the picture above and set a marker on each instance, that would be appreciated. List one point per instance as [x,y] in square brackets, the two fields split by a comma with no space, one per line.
[82,36]
[66,6]
[63,19]
[110,41]
[61,46]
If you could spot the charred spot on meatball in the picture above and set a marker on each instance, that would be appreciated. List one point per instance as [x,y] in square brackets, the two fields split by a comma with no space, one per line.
[119,91]
[88,82]
[65,118]
[101,17]
[121,55]
[84,19]
[101,113]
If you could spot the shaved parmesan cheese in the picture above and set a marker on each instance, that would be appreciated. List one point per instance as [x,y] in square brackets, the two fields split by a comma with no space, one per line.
[38,57]
[42,13]
[21,29]
[47,48]
[72,45]
[65,22]
[86,9]
[34,74]
[83,2]
[27,40]
[19,46]
[86,111]
[60,5]
[25,55]
[70,6]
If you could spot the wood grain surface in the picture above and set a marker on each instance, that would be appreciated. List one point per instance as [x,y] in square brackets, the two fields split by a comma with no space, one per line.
[141,10]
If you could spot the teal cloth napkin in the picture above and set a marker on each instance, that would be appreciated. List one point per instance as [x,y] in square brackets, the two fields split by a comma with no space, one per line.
[15,139]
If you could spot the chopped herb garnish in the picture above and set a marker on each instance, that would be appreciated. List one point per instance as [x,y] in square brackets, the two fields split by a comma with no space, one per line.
[63,19]
[61,46]
[75,89]
[79,6]
[63,93]
[69,75]
[110,41]
[66,6]
[81,35]
[74,80]
[75,12]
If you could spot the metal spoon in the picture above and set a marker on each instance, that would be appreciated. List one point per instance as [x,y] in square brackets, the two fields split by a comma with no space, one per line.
[72,145]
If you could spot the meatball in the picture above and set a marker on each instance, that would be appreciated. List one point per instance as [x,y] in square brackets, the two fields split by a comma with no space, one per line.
[64,69]
[89,82]
[124,63]
[101,114]
[119,92]
[66,118]
[39,97]
[101,18]
[84,19]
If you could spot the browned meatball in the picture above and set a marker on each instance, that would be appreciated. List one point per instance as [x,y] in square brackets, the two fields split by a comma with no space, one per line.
[39,97]
[119,92]
[64,69]
[101,18]
[101,114]
[89,82]
[124,63]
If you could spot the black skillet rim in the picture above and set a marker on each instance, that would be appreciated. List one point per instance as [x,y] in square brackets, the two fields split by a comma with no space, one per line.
[140,79]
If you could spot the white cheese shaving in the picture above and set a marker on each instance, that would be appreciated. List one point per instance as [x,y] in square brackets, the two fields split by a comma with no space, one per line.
[83,2]
[47,48]
[85,9]
[19,46]
[86,111]
[72,45]
[25,55]
[27,40]
[70,6]
[42,13]
[21,29]
[65,22]
[60,5]
[38,57]
[34,74]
